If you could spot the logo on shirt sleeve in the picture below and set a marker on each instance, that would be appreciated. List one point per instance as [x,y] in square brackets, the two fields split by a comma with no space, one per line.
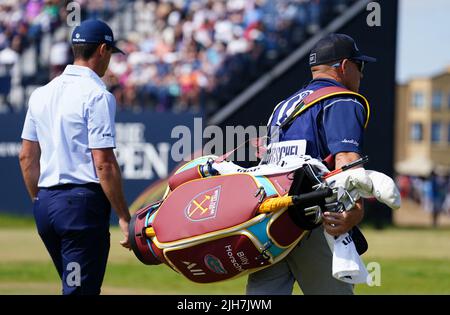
[351,141]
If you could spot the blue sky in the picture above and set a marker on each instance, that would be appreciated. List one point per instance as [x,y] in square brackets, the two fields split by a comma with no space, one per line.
[423,38]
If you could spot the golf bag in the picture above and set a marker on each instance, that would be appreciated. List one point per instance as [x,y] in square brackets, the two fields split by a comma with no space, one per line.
[212,227]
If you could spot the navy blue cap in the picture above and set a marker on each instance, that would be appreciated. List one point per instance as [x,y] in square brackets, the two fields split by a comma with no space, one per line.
[334,47]
[94,32]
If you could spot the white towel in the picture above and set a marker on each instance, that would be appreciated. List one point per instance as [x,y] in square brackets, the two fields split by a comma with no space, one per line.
[367,183]
[347,265]
[286,164]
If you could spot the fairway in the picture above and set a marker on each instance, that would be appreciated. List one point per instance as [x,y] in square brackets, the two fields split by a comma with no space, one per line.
[412,260]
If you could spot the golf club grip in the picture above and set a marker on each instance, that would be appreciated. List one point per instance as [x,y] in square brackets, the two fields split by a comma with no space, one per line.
[313,196]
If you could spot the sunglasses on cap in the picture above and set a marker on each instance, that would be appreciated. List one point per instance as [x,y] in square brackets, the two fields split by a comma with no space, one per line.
[360,64]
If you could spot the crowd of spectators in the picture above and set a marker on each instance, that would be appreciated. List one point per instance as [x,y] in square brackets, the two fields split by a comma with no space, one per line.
[188,54]
[23,24]
[431,192]
[181,54]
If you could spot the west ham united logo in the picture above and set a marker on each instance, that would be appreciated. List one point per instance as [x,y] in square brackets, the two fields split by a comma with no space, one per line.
[214,264]
[204,205]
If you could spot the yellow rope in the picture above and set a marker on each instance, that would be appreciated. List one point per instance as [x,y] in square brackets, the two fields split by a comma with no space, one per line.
[275,204]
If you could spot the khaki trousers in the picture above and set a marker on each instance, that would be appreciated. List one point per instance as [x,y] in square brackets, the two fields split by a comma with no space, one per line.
[309,263]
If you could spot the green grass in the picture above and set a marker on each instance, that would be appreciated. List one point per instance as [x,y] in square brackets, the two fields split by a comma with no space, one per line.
[131,277]
[412,261]
[9,220]
[406,276]
[399,276]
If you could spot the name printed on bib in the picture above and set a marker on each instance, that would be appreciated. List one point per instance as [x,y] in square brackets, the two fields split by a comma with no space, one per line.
[278,150]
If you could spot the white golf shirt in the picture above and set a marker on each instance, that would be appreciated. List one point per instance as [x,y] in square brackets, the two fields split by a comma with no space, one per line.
[69,116]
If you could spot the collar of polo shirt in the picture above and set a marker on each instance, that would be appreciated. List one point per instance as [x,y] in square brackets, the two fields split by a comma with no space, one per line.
[84,72]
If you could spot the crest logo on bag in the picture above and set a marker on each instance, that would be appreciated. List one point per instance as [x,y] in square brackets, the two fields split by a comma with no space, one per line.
[204,205]
[214,264]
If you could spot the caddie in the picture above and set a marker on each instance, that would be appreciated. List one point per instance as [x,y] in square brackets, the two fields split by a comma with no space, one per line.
[325,118]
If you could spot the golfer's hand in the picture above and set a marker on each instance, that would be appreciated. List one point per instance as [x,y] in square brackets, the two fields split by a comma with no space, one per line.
[339,223]
[123,223]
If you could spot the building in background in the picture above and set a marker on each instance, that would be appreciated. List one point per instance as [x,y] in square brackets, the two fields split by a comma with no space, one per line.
[423,126]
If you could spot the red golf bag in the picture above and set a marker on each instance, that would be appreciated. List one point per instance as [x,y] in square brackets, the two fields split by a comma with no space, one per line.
[220,227]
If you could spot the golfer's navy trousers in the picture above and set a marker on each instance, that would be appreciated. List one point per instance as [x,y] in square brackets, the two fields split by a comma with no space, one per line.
[73,222]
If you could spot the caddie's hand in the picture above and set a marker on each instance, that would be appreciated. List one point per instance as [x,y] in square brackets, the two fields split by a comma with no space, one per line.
[123,223]
[339,223]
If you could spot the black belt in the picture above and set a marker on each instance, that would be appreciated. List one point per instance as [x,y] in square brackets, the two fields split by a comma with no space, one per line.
[94,186]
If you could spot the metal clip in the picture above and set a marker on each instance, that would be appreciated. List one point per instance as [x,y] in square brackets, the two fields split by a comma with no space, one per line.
[263,257]
[262,194]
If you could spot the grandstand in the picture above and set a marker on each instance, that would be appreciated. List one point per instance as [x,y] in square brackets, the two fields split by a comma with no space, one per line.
[194,55]
[229,62]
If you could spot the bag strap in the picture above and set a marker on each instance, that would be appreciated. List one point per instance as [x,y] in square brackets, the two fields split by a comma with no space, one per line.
[322,94]
[307,102]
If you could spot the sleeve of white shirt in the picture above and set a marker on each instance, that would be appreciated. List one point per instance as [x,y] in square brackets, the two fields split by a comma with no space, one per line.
[29,127]
[100,121]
